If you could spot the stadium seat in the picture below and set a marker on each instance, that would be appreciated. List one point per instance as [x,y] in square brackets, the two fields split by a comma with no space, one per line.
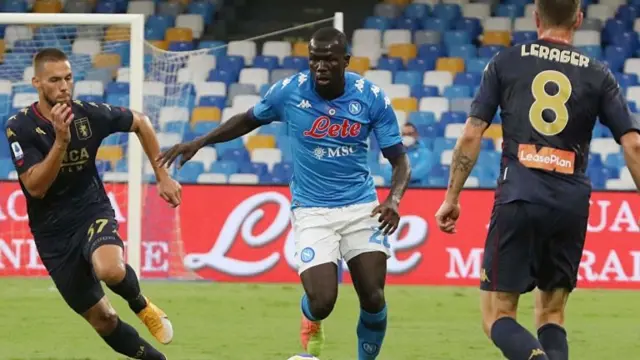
[208,178]
[205,114]
[112,154]
[452,65]
[243,179]
[359,64]
[439,79]
[436,105]
[396,36]
[254,76]
[179,35]
[194,22]
[494,131]
[407,104]
[260,142]
[47,6]
[300,49]
[379,77]
[496,38]
[404,51]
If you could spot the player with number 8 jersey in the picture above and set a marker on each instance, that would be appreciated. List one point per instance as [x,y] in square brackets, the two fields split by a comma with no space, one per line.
[550,96]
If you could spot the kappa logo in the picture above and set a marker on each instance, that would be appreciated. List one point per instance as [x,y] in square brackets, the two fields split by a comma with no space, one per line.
[304,104]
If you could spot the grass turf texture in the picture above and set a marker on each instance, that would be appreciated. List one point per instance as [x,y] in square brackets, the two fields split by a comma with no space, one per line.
[215,321]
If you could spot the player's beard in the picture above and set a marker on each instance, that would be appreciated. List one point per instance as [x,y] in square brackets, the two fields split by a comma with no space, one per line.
[52,101]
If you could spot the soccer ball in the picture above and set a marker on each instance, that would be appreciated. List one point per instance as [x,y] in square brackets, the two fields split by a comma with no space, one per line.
[303,357]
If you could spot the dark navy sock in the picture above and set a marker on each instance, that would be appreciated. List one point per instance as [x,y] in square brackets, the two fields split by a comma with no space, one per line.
[306,311]
[553,338]
[129,289]
[125,340]
[515,342]
[371,330]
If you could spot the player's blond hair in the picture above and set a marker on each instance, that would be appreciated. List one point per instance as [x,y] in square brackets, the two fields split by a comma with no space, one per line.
[558,13]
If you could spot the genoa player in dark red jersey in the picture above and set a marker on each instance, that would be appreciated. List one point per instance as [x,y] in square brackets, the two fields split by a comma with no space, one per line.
[550,96]
[54,143]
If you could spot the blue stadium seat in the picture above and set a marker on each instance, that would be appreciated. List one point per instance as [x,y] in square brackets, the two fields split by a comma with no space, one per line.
[106,7]
[422,118]
[627,13]
[283,170]
[266,62]
[203,127]
[118,88]
[411,78]
[465,51]
[523,37]
[210,100]
[232,144]
[424,91]
[471,25]
[15,6]
[431,51]
[453,117]
[153,33]
[611,29]
[628,40]
[407,24]
[378,22]
[118,99]
[190,171]
[392,64]
[224,167]
[417,11]
[456,37]
[217,47]
[489,51]
[181,46]
[592,51]
[614,57]
[177,127]
[476,65]
[297,63]
[6,166]
[206,9]
[614,161]
[91,98]
[436,24]
[224,76]
[467,78]
[239,155]
[422,63]
[510,10]
[450,12]
[457,91]
[232,63]
[254,168]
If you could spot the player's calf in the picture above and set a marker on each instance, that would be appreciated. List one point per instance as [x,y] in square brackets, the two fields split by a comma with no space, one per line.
[368,271]
[499,311]
[109,266]
[549,319]
[320,284]
[120,336]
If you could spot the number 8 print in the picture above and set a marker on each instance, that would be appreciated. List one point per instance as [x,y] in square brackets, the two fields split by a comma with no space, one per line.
[556,103]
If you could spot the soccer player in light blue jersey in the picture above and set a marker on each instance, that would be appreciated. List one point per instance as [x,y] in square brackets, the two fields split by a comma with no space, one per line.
[329,115]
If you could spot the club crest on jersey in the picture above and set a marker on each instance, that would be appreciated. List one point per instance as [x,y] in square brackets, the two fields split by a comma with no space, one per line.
[322,127]
[83,128]
[355,108]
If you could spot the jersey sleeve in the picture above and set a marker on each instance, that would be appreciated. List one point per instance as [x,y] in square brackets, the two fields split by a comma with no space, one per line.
[269,108]
[23,150]
[614,110]
[115,118]
[486,102]
[385,124]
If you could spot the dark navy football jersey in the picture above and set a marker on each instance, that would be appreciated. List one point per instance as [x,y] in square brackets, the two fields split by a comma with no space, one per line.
[550,96]
[77,192]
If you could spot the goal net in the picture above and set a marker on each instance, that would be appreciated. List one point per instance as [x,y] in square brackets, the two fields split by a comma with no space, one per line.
[104,51]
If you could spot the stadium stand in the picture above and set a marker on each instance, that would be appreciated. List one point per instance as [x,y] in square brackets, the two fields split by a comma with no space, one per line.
[427,55]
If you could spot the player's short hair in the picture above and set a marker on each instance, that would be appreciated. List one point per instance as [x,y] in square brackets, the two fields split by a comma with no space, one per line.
[558,13]
[48,55]
[330,35]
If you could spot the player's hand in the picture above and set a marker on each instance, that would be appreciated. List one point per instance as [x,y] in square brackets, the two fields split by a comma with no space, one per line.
[61,117]
[447,216]
[171,191]
[185,151]
[389,216]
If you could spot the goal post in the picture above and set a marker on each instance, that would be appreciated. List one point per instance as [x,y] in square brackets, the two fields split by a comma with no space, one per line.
[135,22]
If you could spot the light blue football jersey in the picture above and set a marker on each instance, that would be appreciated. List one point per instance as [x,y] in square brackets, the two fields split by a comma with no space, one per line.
[328,139]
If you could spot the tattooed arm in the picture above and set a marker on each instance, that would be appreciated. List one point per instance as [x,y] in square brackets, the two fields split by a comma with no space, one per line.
[465,155]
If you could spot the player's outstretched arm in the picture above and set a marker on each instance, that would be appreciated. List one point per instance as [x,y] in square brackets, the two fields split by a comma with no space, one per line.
[38,178]
[400,176]
[631,147]
[237,126]
[168,188]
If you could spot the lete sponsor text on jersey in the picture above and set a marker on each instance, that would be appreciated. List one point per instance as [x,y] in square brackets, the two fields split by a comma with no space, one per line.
[322,127]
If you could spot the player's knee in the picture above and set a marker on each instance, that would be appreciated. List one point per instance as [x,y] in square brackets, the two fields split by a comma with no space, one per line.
[321,304]
[103,321]
[549,313]
[372,301]
[110,273]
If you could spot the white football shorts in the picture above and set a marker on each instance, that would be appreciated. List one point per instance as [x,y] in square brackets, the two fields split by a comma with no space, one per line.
[324,235]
